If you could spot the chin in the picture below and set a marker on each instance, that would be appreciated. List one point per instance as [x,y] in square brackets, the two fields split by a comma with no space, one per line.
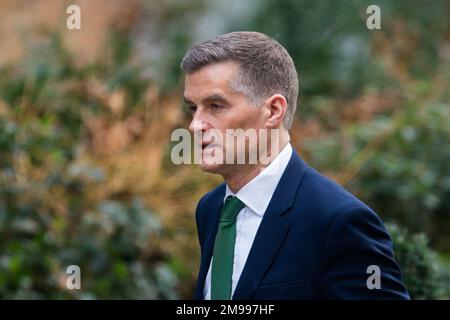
[212,168]
[209,162]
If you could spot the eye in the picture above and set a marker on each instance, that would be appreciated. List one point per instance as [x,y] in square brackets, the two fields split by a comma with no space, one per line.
[215,106]
[191,109]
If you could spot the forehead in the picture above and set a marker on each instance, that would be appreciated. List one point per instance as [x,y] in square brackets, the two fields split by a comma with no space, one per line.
[211,79]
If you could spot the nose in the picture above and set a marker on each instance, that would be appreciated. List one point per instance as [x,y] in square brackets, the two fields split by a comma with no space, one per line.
[197,123]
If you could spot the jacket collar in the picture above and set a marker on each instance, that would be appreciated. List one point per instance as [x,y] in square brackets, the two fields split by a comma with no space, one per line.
[257,193]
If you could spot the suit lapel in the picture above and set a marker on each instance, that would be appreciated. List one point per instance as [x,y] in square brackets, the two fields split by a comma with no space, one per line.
[268,240]
[207,251]
[272,230]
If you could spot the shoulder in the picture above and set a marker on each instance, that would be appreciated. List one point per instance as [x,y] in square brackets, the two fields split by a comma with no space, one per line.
[212,196]
[344,218]
[336,215]
[329,200]
[208,201]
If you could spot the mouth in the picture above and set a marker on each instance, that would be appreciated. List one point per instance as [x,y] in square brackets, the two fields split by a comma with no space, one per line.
[206,145]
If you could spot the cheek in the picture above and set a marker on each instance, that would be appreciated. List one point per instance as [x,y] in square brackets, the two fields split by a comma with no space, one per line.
[241,117]
[254,118]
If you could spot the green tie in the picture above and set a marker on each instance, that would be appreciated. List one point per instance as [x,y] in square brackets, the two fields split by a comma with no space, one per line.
[222,265]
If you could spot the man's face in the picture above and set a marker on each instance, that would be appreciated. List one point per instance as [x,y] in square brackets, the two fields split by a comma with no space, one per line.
[215,107]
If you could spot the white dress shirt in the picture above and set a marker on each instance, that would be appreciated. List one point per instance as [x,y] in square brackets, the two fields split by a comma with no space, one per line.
[256,196]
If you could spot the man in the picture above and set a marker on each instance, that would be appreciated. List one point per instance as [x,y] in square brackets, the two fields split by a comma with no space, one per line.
[278,229]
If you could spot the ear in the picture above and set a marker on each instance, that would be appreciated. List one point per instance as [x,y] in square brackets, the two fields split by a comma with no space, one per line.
[277,107]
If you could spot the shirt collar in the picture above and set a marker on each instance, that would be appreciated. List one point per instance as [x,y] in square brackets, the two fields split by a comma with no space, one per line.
[257,193]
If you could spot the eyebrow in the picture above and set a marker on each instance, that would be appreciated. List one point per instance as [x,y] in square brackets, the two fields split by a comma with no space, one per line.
[187,101]
[213,97]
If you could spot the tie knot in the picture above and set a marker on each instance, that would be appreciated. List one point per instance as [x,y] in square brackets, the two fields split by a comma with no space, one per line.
[231,208]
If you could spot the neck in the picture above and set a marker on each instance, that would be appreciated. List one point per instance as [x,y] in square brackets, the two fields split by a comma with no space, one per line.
[243,174]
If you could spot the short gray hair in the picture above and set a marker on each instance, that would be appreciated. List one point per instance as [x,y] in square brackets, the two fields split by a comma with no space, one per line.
[266,68]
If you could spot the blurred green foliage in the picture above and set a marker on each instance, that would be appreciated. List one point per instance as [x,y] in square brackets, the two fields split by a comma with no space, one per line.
[406,177]
[333,49]
[424,274]
[51,214]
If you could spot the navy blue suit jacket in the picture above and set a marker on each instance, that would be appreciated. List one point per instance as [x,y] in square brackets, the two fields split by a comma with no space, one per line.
[315,241]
